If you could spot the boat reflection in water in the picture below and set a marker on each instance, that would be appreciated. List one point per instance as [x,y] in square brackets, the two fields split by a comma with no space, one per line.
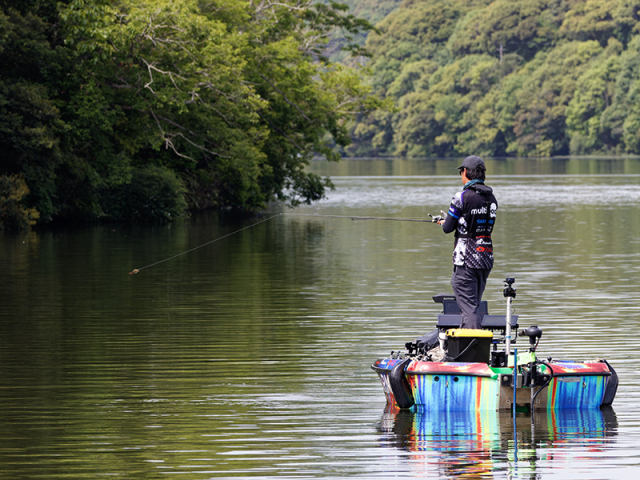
[481,443]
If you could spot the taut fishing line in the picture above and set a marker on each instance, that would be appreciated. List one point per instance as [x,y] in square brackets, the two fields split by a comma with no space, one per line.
[136,270]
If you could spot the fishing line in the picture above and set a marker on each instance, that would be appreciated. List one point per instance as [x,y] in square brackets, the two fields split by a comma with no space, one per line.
[136,270]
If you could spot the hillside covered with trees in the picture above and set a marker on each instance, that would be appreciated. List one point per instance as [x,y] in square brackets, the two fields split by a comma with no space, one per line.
[505,77]
[373,11]
[140,110]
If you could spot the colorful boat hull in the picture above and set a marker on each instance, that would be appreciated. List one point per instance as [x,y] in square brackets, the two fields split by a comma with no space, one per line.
[454,386]
[451,386]
[577,385]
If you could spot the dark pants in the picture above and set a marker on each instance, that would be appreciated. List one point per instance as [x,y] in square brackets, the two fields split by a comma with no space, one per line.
[468,285]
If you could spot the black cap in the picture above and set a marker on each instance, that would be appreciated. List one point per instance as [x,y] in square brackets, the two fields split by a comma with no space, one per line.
[471,162]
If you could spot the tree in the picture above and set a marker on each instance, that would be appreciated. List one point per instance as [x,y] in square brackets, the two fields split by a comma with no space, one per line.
[600,20]
[229,98]
[539,123]
[506,26]
[32,67]
[506,77]
[594,94]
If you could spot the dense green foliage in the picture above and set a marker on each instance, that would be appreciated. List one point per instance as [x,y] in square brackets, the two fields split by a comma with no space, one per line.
[13,213]
[505,77]
[106,104]
[373,11]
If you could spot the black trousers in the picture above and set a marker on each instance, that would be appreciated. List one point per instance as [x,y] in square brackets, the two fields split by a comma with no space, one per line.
[468,286]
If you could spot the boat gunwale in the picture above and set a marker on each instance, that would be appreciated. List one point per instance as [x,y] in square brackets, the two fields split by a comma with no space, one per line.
[492,375]
[441,374]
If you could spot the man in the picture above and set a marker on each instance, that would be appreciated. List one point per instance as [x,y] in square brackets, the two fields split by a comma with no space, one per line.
[472,215]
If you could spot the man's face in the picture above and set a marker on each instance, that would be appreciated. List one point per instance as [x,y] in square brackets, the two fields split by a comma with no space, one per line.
[463,175]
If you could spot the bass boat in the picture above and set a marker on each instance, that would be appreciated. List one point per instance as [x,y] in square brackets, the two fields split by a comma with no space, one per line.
[461,369]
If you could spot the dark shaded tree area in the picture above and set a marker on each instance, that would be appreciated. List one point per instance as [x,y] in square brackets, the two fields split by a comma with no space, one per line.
[129,110]
[505,77]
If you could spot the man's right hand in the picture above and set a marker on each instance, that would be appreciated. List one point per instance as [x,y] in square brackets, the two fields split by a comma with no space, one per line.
[439,219]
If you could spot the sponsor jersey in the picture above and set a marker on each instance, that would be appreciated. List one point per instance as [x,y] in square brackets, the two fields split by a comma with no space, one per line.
[472,215]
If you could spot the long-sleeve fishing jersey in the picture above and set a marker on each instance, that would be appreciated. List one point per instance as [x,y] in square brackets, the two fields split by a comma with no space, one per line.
[472,215]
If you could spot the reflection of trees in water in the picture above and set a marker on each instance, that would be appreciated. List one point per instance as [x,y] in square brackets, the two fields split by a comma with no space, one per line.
[478,443]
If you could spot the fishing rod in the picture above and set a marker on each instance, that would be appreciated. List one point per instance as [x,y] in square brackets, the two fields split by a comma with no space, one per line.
[434,219]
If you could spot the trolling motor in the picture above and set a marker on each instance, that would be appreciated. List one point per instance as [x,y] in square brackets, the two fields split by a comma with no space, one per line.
[509,293]
[534,333]
[530,375]
[501,358]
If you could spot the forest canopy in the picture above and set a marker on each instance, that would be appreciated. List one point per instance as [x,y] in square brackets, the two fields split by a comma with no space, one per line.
[505,78]
[142,109]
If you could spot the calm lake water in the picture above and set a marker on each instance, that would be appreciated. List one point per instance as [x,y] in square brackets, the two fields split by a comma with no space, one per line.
[250,357]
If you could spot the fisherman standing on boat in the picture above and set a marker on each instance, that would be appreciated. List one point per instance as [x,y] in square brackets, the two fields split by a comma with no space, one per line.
[472,216]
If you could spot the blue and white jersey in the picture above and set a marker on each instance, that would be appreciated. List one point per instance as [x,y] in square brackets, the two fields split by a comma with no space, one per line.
[472,214]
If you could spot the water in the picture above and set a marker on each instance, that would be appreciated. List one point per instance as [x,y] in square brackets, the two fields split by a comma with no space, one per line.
[250,357]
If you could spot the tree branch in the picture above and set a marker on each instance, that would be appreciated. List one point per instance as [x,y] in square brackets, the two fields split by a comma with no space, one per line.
[151,68]
[167,137]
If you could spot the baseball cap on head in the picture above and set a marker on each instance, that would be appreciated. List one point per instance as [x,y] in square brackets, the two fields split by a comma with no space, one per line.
[471,162]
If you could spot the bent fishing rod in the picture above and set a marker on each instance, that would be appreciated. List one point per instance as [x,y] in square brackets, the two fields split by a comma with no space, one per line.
[433,219]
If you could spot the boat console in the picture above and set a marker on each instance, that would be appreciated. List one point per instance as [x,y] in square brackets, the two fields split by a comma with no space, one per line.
[451,318]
